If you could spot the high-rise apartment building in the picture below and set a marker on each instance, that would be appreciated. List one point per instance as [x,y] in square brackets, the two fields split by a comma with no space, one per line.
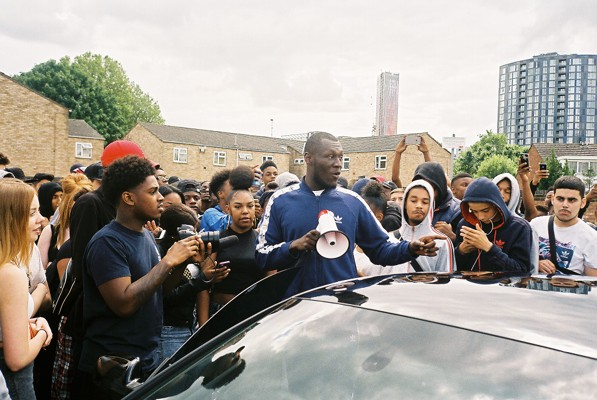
[549,98]
[387,104]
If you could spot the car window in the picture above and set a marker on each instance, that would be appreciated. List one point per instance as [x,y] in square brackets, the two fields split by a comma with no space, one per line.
[317,350]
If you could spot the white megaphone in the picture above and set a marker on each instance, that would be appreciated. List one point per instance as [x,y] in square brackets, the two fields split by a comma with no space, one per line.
[332,243]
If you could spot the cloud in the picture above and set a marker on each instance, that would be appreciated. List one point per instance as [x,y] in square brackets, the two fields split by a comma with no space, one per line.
[310,65]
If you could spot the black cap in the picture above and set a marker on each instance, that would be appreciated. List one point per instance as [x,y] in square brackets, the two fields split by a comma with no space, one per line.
[389,185]
[40,176]
[173,179]
[94,171]
[16,172]
[188,185]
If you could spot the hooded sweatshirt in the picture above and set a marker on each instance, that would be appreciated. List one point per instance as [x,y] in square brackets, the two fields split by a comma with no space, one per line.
[444,261]
[512,236]
[447,207]
[514,202]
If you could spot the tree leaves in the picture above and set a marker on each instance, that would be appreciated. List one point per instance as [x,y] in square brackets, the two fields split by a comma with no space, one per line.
[489,145]
[96,89]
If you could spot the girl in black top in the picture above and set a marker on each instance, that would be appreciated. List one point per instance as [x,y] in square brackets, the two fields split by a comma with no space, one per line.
[241,256]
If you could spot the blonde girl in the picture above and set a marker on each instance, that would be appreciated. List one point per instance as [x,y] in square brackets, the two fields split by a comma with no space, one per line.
[21,337]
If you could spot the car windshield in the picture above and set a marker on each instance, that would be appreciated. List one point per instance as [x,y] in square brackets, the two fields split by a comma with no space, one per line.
[316,350]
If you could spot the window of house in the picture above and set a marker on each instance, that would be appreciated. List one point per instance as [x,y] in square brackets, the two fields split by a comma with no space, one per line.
[219,158]
[573,165]
[381,162]
[83,150]
[180,155]
[346,163]
[267,158]
[245,156]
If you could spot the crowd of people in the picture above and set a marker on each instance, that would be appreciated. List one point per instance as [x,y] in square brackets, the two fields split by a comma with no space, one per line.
[117,263]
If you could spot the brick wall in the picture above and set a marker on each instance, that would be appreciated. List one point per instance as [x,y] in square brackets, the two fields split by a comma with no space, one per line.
[67,154]
[33,129]
[363,164]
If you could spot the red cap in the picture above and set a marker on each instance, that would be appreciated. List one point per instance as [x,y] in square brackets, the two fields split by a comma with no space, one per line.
[119,149]
[379,178]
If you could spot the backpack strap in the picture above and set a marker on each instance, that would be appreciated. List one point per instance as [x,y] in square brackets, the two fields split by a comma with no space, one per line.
[416,265]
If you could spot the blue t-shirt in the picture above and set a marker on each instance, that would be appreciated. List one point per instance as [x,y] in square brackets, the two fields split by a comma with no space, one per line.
[116,252]
[214,219]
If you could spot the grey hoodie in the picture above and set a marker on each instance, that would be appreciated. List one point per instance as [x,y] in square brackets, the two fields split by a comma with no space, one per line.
[514,203]
[444,261]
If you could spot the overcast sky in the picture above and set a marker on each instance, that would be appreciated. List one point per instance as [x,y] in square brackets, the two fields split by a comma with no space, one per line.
[308,64]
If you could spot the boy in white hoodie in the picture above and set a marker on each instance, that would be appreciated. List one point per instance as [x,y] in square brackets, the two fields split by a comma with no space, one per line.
[417,214]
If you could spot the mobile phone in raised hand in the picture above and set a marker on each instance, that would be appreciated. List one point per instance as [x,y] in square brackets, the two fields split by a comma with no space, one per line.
[413,139]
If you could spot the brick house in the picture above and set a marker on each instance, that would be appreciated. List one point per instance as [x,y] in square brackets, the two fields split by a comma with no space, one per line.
[580,158]
[37,135]
[374,155]
[199,153]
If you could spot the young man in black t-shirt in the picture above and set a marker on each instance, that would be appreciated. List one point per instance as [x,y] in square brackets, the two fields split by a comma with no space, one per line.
[123,273]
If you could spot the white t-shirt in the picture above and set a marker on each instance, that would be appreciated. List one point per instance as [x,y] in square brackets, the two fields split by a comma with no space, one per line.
[37,274]
[576,245]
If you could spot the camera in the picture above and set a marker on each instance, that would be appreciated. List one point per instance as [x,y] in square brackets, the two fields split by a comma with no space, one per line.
[185,231]
[213,237]
[542,166]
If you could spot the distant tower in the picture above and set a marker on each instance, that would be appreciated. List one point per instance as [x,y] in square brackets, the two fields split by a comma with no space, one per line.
[387,104]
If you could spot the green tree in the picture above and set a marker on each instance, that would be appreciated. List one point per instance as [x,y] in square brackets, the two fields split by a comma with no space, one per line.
[489,144]
[495,165]
[96,89]
[556,169]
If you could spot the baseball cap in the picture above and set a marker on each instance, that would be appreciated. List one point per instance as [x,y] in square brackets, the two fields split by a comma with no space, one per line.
[75,167]
[16,172]
[39,177]
[119,149]
[94,171]
[389,185]
[286,179]
[187,185]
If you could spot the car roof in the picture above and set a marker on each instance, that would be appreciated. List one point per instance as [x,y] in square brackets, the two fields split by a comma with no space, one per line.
[533,310]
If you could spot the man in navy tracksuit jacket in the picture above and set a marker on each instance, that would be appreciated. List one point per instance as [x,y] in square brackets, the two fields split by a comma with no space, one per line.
[287,235]
[489,237]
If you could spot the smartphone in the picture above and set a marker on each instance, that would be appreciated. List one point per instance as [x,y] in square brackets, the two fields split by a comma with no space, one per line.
[222,264]
[524,158]
[413,139]
[542,166]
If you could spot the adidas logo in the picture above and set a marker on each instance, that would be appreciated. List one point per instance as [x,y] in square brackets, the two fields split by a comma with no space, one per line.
[337,219]
[500,243]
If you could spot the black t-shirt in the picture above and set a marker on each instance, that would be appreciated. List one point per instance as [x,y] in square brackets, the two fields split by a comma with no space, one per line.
[243,267]
[116,252]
